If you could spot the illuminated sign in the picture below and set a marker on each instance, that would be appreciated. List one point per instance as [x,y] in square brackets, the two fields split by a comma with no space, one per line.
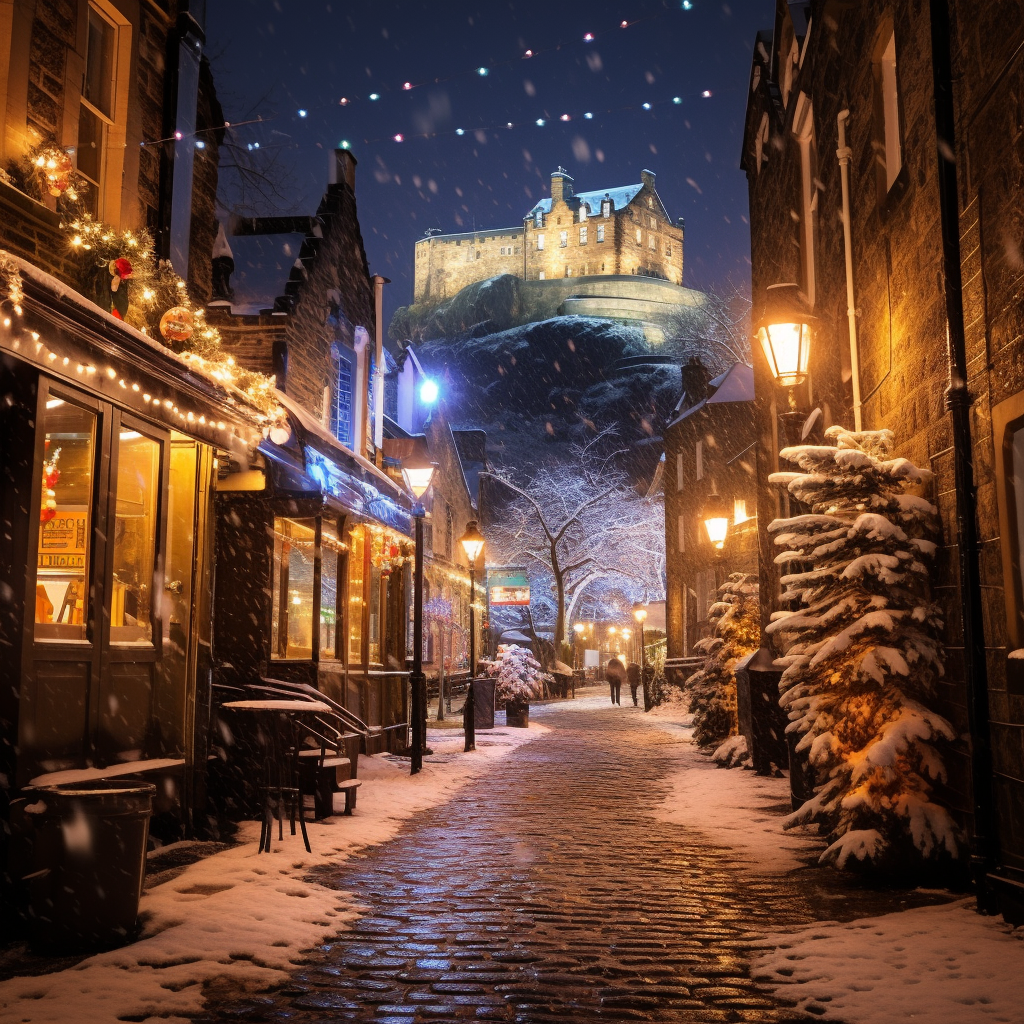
[509,587]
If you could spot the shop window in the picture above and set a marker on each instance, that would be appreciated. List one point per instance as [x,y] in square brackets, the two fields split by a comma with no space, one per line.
[135,533]
[330,553]
[356,597]
[378,597]
[291,634]
[65,517]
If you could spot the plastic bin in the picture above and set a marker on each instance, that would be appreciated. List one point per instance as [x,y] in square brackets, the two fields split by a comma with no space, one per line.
[89,861]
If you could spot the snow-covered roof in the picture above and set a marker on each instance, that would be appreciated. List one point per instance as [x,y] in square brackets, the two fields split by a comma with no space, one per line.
[620,197]
[735,385]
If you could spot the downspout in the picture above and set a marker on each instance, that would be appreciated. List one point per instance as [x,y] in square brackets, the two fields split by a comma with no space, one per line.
[958,402]
[378,364]
[845,154]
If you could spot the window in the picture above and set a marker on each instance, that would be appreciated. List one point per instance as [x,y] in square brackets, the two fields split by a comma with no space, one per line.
[540,241]
[639,236]
[341,412]
[563,239]
[330,553]
[138,489]
[449,532]
[650,202]
[739,511]
[654,223]
[356,598]
[568,271]
[600,232]
[652,242]
[679,471]
[606,208]
[65,518]
[478,254]
[538,221]
[583,212]
[681,534]
[668,249]
[889,111]
[699,460]
[583,235]
[291,632]
[540,276]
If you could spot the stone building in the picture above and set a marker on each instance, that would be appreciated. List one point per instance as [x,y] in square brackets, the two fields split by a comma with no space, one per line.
[623,231]
[918,329]
[709,450]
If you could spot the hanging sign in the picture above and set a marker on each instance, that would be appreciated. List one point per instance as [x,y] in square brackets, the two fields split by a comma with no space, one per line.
[509,587]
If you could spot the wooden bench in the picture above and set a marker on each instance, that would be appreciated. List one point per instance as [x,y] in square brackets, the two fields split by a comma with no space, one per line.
[349,788]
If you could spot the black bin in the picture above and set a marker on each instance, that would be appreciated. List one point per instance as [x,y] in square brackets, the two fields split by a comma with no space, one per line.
[89,861]
[483,702]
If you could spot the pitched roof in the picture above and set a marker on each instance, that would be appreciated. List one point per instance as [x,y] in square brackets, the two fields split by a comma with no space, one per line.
[620,197]
[735,385]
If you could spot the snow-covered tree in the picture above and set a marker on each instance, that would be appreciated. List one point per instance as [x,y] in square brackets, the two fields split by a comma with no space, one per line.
[519,675]
[862,650]
[579,525]
[735,633]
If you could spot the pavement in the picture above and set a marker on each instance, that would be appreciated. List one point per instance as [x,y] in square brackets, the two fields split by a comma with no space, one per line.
[546,890]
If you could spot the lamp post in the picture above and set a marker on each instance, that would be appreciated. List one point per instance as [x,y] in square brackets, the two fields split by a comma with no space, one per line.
[418,471]
[784,330]
[640,614]
[472,542]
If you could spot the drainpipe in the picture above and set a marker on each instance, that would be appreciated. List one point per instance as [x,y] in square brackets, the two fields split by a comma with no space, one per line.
[958,402]
[845,154]
[378,362]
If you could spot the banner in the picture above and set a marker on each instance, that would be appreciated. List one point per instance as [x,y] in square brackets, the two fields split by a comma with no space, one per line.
[509,587]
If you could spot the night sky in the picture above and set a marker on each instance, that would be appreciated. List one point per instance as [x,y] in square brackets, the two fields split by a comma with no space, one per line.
[273,58]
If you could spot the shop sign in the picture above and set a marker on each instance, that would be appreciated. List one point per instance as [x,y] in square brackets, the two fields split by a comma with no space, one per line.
[509,587]
[63,541]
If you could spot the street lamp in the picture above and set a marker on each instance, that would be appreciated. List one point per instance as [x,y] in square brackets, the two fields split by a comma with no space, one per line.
[640,614]
[784,331]
[472,542]
[418,471]
[716,519]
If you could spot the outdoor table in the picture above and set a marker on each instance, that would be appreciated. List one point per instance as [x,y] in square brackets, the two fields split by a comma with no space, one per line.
[277,732]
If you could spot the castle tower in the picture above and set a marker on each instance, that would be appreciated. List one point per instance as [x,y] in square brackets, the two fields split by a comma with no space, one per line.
[561,185]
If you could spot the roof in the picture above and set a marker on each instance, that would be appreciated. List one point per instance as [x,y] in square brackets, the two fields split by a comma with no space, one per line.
[735,385]
[620,197]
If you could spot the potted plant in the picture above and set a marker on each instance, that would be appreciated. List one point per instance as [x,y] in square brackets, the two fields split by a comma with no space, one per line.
[519,677]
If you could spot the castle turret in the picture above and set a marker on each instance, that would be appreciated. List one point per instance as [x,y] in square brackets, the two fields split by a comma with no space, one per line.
[561,185]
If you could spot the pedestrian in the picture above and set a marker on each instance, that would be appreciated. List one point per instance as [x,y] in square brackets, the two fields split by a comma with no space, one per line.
[633,678]
[615,671]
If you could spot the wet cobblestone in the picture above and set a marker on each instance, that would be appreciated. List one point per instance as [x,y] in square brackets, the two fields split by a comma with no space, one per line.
[544,891]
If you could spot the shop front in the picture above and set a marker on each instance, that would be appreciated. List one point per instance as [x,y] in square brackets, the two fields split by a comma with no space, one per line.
[317,547]
[108,467]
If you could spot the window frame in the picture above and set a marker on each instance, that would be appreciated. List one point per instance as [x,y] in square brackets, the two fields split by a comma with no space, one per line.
[600,232]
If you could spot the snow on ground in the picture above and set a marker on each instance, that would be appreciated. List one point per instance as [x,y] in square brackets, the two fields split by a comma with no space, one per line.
[732,806]
[943,964]
[242,915]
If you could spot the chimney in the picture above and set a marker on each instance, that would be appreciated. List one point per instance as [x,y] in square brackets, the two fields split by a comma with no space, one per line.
[695,381]
[561,186]
[341,167]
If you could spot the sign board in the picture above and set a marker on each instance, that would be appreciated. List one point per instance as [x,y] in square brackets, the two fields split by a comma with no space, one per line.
[509,587]
[591,659]
[62,541]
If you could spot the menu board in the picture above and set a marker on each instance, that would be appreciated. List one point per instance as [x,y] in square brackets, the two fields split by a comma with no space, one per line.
[63,540]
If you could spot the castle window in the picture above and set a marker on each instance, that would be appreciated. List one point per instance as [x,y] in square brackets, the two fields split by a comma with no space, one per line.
[563,239]
[540,276]
[654,223]
[650,202]
[538,219]
[583,235]
[600,232]
[568,271]
[540,241]
[639,236]
[652,242]
[668,249]
[478,254]
[606,208]
[583,211]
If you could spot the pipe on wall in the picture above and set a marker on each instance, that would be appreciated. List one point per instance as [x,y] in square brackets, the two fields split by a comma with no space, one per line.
[845,154]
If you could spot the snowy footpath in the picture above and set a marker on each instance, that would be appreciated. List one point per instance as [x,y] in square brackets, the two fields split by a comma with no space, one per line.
[942,964]
[243,916]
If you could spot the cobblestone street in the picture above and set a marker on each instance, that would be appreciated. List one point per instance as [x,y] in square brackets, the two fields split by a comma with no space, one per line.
[545,891]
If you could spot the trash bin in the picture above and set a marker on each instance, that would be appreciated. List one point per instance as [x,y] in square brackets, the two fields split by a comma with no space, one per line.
[89,860]
[483,702]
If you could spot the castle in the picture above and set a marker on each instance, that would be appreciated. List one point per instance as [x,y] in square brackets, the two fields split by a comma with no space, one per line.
[619,232]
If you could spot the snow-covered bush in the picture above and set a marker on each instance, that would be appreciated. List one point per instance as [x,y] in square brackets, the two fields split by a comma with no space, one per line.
[862,650]
[735,633]
[519,675]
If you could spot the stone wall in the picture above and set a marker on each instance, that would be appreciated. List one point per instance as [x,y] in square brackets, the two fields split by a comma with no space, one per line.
[445,264]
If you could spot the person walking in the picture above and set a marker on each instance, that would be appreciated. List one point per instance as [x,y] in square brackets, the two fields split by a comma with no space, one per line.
[633,678]
[615,672]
